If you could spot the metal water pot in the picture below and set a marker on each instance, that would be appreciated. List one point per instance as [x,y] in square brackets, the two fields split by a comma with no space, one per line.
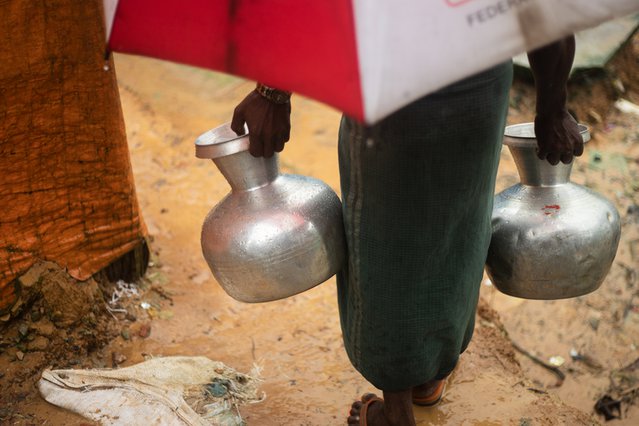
[552,239]
[274,235]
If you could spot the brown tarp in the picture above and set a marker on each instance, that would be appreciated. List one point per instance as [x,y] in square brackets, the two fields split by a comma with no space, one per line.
[66,188]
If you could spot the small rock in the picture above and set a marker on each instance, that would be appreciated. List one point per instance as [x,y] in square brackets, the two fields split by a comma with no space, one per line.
[200,278]
[40,343]
[34,275]
[125,333]
[130,317]
[594,323]
[74,361]
[43,328]
[23,329]
[17,307]
[144,331]
[595,116]
[117,358]
[35,315]
[57,316]
[91,319]
[19,355]
[618,85]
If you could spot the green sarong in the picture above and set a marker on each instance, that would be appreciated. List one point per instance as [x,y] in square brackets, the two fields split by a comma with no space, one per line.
[417,191]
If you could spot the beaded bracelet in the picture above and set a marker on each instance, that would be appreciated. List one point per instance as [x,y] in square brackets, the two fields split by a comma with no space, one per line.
[274,95]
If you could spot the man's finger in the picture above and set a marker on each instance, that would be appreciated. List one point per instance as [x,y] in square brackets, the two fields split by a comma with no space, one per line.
[268,148]
[542,153]
[279,144]
[553,158]
[256,148]
[579,149]
[237,123]
[566,157]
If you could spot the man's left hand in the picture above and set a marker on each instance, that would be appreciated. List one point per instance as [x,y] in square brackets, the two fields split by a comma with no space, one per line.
[269,124]
[558,138]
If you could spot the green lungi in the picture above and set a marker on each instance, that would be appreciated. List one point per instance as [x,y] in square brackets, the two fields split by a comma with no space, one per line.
[417,191]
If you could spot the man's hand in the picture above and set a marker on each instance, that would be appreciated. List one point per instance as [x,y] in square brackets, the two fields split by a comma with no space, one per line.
[558,138]
[269,124]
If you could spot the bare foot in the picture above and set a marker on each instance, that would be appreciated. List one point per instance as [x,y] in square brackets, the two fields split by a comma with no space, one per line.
[374,411]
[395,410]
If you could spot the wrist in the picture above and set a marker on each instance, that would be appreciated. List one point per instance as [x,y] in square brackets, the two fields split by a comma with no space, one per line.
[551,106]
[272,94]
[548,113]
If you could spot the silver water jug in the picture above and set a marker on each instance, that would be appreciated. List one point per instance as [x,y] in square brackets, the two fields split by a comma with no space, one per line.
[274,235]
[552,239]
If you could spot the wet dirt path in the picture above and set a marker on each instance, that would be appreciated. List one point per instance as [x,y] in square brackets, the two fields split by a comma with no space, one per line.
[308,379]
[595,336]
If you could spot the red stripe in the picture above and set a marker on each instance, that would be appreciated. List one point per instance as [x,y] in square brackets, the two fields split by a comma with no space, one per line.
[306,46]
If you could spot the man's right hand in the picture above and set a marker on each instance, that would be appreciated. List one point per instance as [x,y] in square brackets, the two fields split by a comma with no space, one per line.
[269,124]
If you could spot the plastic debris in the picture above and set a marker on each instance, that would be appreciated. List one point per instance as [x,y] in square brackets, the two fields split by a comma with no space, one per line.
[609,407]
[627,107]
[123,290]
[596,46]
[160,391]
[556,360]
[574,354]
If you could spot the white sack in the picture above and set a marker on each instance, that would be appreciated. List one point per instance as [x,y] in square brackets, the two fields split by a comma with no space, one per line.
[161,391]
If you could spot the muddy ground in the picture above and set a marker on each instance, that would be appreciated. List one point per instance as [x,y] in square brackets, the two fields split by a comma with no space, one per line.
[588,344]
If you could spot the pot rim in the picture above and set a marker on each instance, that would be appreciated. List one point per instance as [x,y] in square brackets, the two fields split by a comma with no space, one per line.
[523,135]
[220,142]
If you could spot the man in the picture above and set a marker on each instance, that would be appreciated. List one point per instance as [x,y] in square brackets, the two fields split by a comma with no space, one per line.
[417,190]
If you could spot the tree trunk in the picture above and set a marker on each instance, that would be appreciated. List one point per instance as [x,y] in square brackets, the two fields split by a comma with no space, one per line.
[66,186]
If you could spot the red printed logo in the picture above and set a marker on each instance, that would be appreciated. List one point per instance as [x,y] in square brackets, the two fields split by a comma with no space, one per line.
[455,3]
[549,210]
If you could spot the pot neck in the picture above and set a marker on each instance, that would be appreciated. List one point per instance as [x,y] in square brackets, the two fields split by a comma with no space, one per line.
[536,172]
[245,172]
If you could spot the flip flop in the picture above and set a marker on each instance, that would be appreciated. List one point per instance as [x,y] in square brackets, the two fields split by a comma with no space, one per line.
[363,413]
[434,397]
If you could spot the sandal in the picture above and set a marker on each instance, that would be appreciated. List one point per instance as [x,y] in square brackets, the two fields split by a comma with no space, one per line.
[434,397]
[363,412]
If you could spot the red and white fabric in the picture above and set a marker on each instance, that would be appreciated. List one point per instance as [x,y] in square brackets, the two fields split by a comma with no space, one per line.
[367,58]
